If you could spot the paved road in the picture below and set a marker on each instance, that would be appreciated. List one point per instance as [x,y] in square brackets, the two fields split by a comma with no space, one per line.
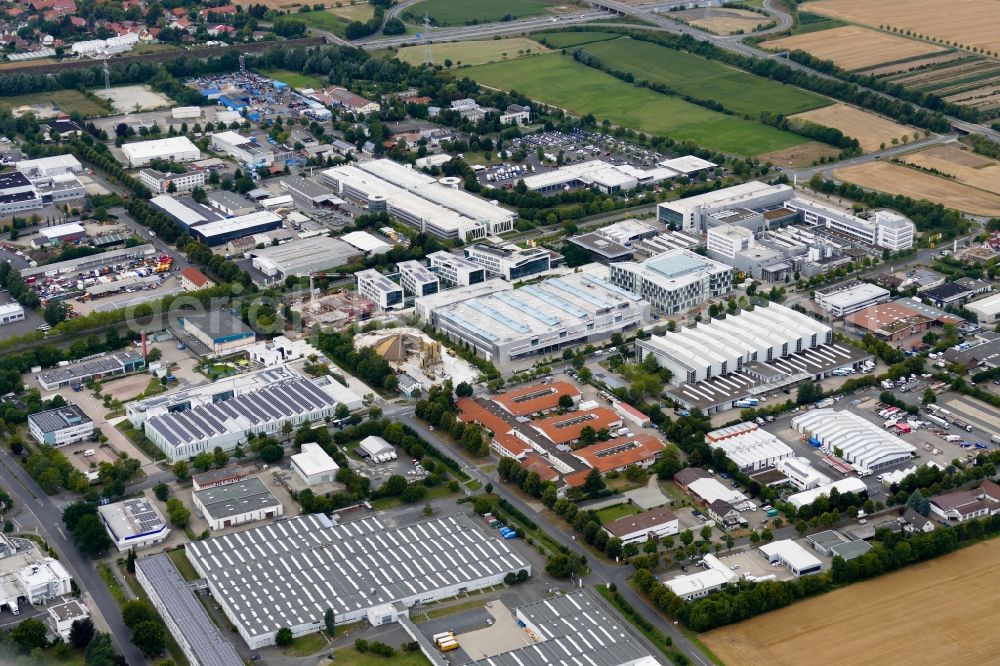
[601,572]
[46,517]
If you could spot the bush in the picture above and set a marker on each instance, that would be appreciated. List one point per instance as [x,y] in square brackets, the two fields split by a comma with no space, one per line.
[284,637]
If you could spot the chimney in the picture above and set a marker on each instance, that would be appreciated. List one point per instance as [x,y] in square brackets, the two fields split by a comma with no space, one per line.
[144,346]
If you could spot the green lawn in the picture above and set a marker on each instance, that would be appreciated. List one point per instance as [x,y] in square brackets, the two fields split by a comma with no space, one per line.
[294,79]
[461,12]
[180,561]
[351,657]
[617,511]
[115,587]
[809,22]
[323,20]
[701,78]
[64,100]
[303,646]
[558,80]
[562,40]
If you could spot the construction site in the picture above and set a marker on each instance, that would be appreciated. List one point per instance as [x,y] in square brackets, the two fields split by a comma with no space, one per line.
[411,352]
[338,310]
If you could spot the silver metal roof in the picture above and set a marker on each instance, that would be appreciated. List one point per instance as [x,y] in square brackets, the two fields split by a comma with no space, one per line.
[235,499]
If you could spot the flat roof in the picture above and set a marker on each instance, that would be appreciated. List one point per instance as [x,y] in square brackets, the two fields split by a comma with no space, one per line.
[572,629]
[95,366]
[209,645]
[217,323]
[178,210]
[132,517]
[157,147]
[287,574]
[687,164]
[57,419]
[314,460]
[230,200]
[734,194]
[118,255]
[236,499]
[305,254]
[365,241]
[791,554]
[598,243]
[247,222]
[55,161]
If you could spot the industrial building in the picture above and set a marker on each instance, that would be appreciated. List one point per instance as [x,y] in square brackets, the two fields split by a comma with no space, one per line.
[606,177]
[185,423]
[115,364]
[890,321]
[246,151]
[314,465]
[237,503]
[689,214]
[303,256]
[843,299]
[455,270]
[366,243]
[962,505]
[571,629]
[10,313]
[185,617]
[509,263]
[748,446]
[639,528]
[225,230]
[851,484]
[376,447]
[170,149]
[62,616]
[219,477]
[362,569]
[628,232]
[863,444]
[788,553]
[888,230]
[987,310]
[416,279]
[956,293]
[674,281]
[507,325]
[26,575]
[716,576]
[61,426]
[801,474]
[49,166]
[18,193]
[601,249]
[307,190]
[220,331]
[133,523]
[229,203]
[160,182]
[380,290]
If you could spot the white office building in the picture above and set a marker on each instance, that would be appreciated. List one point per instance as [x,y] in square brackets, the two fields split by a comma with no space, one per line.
[455,270]
[416,279]
[716,576]
[246,151]
[863,444]
[604,176]
[171,149]
[689,214]
[851,484]
[888,230]
[60,426]
[62,616]
[844,299]
[49,166]
[674,281]
[380,290]
[728,240]
[159,182]
[749,447]
[987,310]
[797,559]
[10,313]
[314,465]
[802,474]
[639,528]
[895,232]
[238,503]
[133,523]
[509,263]
[507,325]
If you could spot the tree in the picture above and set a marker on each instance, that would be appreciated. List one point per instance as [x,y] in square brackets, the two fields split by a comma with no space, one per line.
[130,561]
[284,637]
[81,632]
[162,491]
[272,453]
[328,619]
[566,401]
[149,638]
[687,537]
[178,513]
[180,470]
[100,651]
[55,312]
[29,634]
[463,390]
[588,435]
[593,483]
[918,502]
[90,536]
[559,566]
[706,533]
[137,611]
[75,511]
[929,396]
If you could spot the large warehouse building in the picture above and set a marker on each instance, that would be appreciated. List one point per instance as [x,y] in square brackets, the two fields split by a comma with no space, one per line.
[302,257]
[171,149]
[861,443]
[674,281]
[506,325]
[363,570]
[749,447]
[719,362]
[689,214]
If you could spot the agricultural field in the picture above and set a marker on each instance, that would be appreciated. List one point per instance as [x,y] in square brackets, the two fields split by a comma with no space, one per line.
[853,47]
[48,104]
[722,21]
[964,166]
[473,52]
[970,81]
[896,179]
[871,130]
[358,11]
[294,79]
[322,19]
[701,78]
[559,81]
[802,155]
[465,12]
[874,622]
[563,40]
[967,23]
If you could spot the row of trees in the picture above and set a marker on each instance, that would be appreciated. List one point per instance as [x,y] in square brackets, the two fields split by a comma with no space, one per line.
[440,411]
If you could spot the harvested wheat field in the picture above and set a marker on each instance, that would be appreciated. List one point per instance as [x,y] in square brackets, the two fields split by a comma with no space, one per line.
[722,21]
[801,155]
[936,612]
[869,129]
[971,23]
[967,167]
[853,47]
[896,179]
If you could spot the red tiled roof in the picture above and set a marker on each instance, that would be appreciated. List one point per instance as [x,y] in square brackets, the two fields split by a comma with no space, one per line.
[515,446]
[470,411]
[566,428]
[535,398]
[643,521]
[195,277]
[620,452]
[535,463]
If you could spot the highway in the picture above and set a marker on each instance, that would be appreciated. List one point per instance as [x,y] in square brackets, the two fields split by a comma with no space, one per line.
[37,512]
[601,572]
